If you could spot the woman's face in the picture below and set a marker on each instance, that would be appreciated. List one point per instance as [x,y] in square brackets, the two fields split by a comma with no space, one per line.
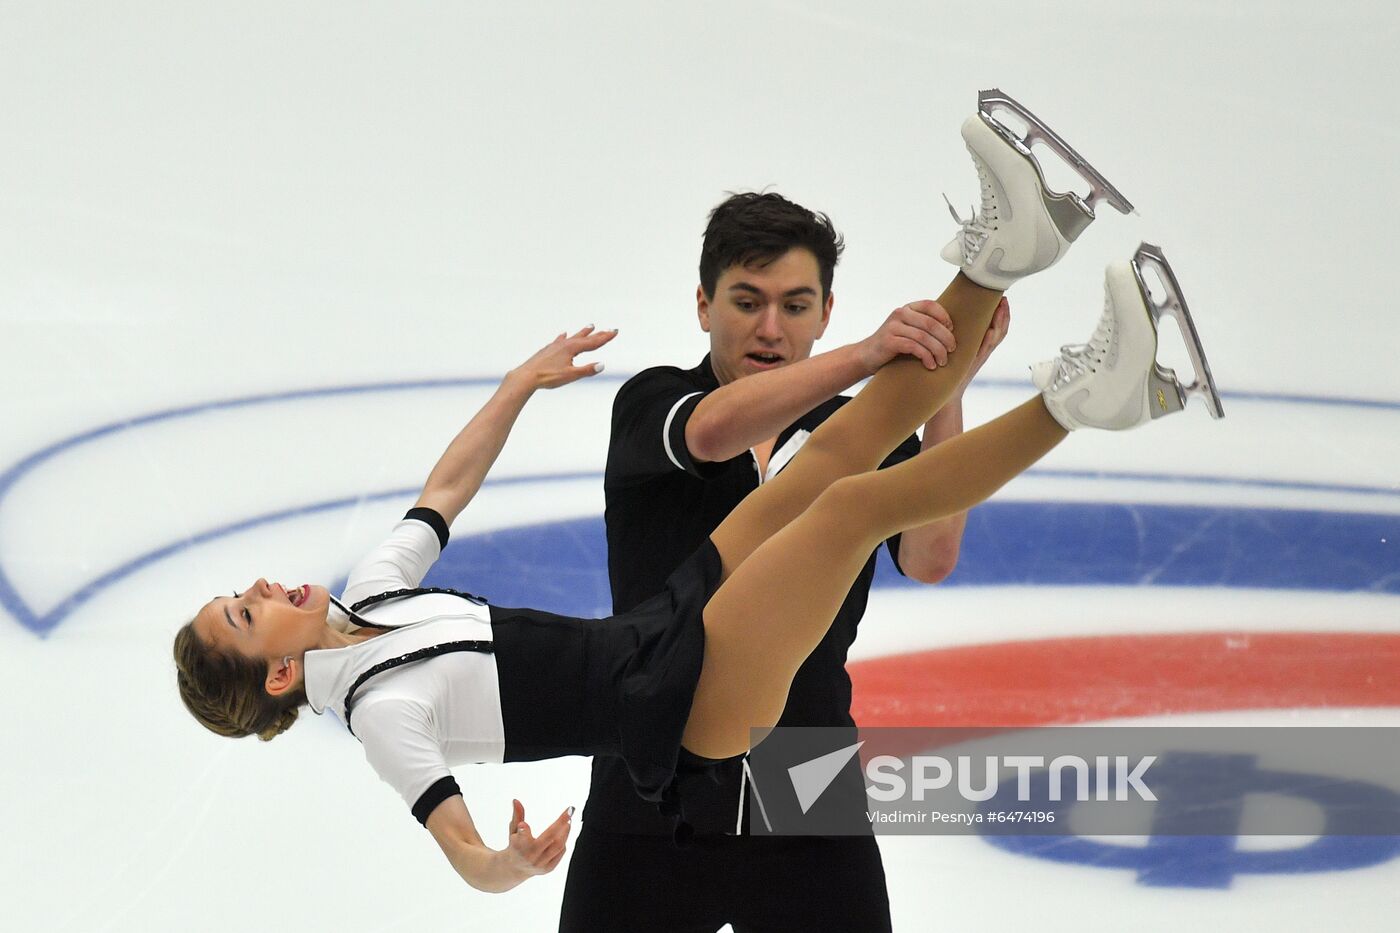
[266,621]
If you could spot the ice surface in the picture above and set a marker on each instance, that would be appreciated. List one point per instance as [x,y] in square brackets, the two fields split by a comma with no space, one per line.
[274,224]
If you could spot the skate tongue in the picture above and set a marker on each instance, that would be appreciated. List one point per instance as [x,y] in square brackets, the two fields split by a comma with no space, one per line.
[953,252]
[1043,373]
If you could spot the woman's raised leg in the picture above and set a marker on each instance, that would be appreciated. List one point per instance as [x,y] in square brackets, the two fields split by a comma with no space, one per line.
[770,614]
[1021,228]
[787,576]
[897,400]
[773,610]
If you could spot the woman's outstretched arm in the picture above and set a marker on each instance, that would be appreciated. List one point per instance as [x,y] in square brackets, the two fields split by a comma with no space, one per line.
[464,465]
[497,870]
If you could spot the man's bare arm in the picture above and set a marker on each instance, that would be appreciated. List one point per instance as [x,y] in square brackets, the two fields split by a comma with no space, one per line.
[753,409]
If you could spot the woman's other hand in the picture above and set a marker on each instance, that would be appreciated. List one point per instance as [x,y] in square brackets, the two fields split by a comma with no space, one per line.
[497,870]
[553,365]
[528,854]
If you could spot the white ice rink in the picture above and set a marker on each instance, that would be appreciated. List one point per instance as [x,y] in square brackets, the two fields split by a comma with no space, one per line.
[258,262]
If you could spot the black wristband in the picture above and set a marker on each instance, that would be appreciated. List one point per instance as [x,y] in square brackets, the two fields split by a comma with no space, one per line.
[439,791]
[433,520]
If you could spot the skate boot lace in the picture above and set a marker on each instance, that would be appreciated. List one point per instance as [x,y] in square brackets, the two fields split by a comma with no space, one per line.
[977,228]
[1079,358]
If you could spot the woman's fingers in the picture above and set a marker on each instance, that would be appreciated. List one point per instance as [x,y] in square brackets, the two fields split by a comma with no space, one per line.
[562,824]
[534,851]
[587,338]
[590,339]
[553,842]
[550,857]
[544,851]
[558,369]
[558,831]
[591,336]
[522,840]
[1001,320]
[521,837]
[997,331]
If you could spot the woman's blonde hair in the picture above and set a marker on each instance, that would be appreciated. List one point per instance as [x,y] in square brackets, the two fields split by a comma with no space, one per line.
[225,692]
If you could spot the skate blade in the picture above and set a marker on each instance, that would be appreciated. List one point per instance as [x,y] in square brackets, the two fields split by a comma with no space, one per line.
[1168,394]
[1100,188]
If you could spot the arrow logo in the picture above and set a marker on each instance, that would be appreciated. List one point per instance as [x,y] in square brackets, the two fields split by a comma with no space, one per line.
[811,778]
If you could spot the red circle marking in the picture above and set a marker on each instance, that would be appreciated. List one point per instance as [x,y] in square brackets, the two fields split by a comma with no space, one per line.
[1072,680]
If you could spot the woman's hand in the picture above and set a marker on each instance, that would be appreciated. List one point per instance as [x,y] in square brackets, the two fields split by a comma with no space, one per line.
[462,468]
[497,870]
[553,365]
[528,854]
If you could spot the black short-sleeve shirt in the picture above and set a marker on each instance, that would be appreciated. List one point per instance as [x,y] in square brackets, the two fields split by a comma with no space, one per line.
[661,506]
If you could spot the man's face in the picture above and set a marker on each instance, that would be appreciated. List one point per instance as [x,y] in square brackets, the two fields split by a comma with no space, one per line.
[764,317]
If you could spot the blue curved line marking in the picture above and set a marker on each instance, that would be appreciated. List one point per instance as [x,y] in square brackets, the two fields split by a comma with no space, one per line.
[562,566]
[9,596]
[545,565]
[43,624]
[16,606]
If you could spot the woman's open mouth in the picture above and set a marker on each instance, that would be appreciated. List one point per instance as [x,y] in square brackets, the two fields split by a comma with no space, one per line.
[298,596]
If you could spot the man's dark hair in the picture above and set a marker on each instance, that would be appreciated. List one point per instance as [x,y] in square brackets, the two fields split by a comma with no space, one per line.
[753,229]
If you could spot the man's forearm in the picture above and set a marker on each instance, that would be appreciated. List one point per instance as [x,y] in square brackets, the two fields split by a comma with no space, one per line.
[750,410]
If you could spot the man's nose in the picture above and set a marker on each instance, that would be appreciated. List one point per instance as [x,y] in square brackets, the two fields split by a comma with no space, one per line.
[770,324]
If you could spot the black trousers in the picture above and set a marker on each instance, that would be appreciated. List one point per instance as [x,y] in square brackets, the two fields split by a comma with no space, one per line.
[620,883]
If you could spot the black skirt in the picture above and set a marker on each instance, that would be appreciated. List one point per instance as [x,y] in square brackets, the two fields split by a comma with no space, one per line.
[616,686]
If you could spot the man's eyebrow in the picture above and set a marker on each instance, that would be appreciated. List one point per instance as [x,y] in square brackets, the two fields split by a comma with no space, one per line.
[790,293]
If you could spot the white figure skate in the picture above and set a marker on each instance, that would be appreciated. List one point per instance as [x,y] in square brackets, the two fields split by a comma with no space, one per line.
[1023,226]
[1114,381]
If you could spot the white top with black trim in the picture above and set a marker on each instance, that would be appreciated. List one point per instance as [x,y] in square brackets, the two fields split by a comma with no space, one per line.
[416,719]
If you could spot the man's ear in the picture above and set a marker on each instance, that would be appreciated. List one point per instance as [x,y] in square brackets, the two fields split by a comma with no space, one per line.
[826,313]
[702,308]
[281,676]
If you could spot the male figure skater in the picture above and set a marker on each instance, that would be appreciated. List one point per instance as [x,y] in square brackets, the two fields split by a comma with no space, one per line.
[687,445]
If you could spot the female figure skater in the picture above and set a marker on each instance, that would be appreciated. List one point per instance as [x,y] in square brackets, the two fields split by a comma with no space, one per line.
[425,680]
[428,679]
